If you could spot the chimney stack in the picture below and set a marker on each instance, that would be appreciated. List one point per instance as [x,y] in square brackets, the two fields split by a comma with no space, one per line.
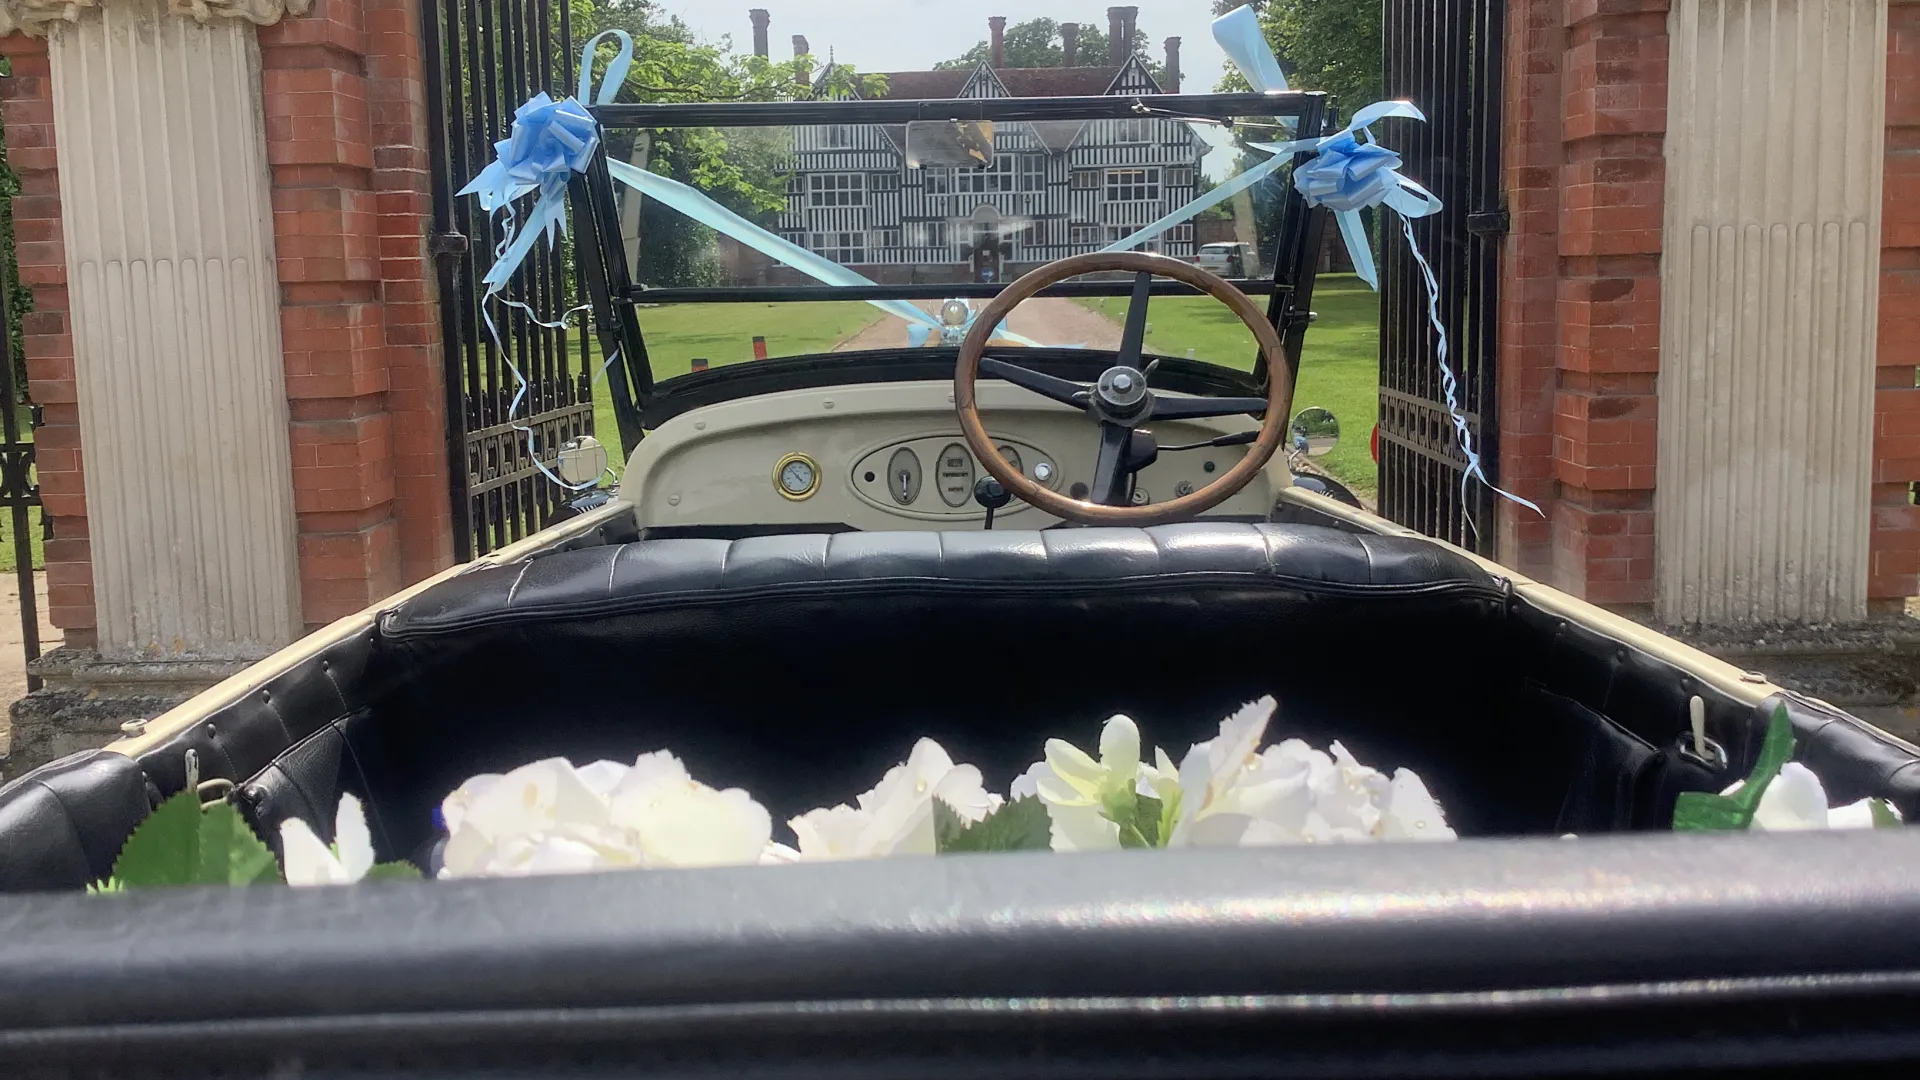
[1070,42]
[800,73]
[997,50]
[1173,65]
[1132,15]
[761,20]
[1116,36]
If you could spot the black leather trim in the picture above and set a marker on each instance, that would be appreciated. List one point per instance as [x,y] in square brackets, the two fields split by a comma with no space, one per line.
[635,577]
[63,824]
[1475,954]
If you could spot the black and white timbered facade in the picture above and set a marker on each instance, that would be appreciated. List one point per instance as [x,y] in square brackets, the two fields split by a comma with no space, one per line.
[1054,189]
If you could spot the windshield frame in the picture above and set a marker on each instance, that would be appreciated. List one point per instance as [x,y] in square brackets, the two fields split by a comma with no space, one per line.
[614,296]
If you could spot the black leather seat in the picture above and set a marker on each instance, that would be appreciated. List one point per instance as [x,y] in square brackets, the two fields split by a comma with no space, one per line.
[801,666]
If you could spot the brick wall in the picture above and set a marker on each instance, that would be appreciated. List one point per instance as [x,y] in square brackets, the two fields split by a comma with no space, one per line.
[1895,542]
[345,131]
[26,104]
[1580,319]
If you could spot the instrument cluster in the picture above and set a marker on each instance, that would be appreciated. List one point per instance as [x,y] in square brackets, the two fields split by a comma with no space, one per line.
[933,476]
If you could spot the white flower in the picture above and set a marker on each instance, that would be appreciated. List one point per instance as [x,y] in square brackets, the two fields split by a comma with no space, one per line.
[308,861]
[548,817]
[1293,794]
[896,817]
[1083,796]
[679,821]
[1797,800]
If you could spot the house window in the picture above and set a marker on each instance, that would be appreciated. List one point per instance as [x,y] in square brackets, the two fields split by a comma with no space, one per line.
[1009,172]
[1180,177]
[1084,235]
[798,239]
[837,189]
[1133,185]
[796,185]
[927,234]
[843,247]
[839,136]
[885,181]
[1033,172]
[934,181]
[890,238]
[1180,234]
[1134,129]
[1086,180]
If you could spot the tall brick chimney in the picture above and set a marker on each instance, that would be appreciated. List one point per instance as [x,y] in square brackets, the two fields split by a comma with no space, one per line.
[1070,42]
[997,48]
[1132,16]
[800,74]
[1173,65]
[761,20]
[1116,36]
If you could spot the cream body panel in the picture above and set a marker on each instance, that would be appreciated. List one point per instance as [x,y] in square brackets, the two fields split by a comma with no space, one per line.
[715,465]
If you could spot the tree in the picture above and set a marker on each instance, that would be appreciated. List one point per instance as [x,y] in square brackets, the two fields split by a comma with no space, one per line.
[738,168]
[1331,45]
[1036,44]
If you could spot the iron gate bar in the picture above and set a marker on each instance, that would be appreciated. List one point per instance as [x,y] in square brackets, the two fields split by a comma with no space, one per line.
[483,58]
[18,491]
[1445,55]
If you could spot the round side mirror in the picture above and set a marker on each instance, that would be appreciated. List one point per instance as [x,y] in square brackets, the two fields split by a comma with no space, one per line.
[582,460]
[1314,432]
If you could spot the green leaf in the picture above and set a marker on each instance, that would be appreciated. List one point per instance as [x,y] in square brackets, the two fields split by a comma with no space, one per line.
[101,888]
[165,848]
[1019,825]
[393,871]
[1883,815]
[182,844]
[230,853]
[1139,823]
[1697,811]
[1169,813]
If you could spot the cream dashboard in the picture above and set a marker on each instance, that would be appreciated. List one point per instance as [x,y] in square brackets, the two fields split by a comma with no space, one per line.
[890,456]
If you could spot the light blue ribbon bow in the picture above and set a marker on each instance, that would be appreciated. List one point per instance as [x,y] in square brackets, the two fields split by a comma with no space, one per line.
[1347,175]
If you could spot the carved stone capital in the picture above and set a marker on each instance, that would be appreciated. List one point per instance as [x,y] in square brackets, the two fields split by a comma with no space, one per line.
[38,17]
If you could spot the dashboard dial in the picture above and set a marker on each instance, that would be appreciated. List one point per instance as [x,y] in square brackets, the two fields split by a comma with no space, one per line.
[1013,458]
[903,476]
[796,477]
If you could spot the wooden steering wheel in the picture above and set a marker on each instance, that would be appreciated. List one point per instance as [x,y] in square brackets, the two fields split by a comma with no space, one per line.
[1121,401]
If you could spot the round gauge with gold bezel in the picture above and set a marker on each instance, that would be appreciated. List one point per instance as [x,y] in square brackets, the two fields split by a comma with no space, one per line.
[796,477]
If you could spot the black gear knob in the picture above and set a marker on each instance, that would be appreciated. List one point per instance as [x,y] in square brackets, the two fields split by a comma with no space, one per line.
[989,493]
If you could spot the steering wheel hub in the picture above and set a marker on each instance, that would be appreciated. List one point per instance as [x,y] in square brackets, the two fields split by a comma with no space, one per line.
[1122,390]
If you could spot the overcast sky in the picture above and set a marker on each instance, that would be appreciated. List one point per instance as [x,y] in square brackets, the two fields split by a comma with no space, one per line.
[911,35]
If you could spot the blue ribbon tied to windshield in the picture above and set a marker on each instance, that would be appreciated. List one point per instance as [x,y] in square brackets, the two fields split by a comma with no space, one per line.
[1350,171]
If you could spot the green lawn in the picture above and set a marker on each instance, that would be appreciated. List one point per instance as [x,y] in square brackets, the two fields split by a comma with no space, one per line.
[723,334]
[8,564]
[1339,368]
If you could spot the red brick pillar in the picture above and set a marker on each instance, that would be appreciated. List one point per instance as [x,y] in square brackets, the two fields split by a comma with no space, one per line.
[1895,538]
[345,137]
[1580,328]
[26,101]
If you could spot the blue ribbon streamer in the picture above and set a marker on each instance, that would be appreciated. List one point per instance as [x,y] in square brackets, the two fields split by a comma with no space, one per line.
[696,205]
[1347,175]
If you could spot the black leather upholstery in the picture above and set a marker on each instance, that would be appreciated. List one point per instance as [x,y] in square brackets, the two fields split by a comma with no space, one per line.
[62,825]
[603,580]
[800,667]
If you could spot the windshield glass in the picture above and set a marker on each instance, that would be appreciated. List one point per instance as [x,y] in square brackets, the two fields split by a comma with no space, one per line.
[898,204]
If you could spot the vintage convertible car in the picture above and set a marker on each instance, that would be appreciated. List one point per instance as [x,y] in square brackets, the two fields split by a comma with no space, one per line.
[813,560]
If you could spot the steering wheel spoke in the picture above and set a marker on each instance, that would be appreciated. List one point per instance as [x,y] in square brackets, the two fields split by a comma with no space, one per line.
[1194,408]
[1064,391]
[1133,339]
[1110,466]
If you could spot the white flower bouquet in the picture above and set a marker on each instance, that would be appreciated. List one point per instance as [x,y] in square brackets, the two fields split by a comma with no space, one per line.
[549,817]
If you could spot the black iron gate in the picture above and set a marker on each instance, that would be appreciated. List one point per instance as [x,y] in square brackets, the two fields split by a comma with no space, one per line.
[19,489]
[484,58]
[1445,56]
